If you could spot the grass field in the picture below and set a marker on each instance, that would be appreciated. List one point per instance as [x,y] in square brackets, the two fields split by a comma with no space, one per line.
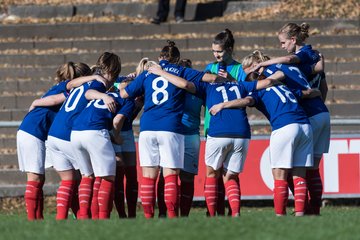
[254,223]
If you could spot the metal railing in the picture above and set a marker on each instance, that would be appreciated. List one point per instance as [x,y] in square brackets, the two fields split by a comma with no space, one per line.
[334,122]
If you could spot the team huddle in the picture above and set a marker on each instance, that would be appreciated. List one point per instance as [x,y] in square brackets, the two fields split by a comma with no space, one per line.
[82,127]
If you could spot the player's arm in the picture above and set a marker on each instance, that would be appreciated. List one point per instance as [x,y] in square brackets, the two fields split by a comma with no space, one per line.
[320,65]
[118,123]
[122,91]
[274,79]
[237,103]
[81,80]
[48,101]
[177,81]
[109,101]
[290,59]
[323,87]
[310,93]
[212,78]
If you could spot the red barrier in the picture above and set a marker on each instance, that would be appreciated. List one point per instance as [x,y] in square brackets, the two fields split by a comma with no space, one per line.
[340,170]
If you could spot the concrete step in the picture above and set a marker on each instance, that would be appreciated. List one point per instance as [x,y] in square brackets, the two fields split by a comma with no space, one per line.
[14,177]
[339,110]
[113,29]
[18,190]
[194,11]
[23,102]
[133,57]
[33,84]
[192,42]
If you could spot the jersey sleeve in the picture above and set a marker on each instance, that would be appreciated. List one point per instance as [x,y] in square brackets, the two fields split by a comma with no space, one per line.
[135,88]
[127,108]
[200,89]
[96,85]
[191,74]
[249,86]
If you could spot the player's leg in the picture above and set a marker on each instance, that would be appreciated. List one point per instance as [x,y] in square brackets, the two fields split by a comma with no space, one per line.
[302,158]
[187,174]
[233,165]
[131,183]
[103,162]
[31,158]
[119,193]
[58,150]
[149,161]
[215,154]
[160,188]
[320,124]
[186,192]
[171,147]
[281,191]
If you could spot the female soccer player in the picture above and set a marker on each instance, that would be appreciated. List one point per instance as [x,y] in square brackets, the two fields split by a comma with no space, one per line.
[33,133]
[290,141]
[225,66]
[292,38]
[227,142]
[93,149]
[60,148]
[126,152]
[161,140]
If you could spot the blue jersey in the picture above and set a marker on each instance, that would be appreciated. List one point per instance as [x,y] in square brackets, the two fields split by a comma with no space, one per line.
[308,59]
[296,82]
[191,116]
[74,104]
[228,122]
[96,116]
[280,106]
[38,121]
[163,101]
[234,69]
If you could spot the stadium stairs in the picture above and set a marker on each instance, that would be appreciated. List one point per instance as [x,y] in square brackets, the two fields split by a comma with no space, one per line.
[31,53]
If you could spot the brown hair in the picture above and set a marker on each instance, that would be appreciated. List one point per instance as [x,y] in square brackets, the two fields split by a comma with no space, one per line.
[300,32]
[255,57]
[170,52]
[71,70]
[108,63]
[225,39]
[185,62]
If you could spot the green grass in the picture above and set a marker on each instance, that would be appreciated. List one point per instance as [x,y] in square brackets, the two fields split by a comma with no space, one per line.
[254,223]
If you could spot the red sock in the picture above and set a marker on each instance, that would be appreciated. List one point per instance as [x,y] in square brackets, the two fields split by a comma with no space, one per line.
[186,197]
[171,195]
[315,188]
[75,199]
[281,195]
[131,190]
[119,195]
[210,193]
[85,194]
[233,193]
[40,203]
[94,201]
[31,198]
[147,195]
[160,196]
[300,190]
[105,198]
[220,205]
[63,199]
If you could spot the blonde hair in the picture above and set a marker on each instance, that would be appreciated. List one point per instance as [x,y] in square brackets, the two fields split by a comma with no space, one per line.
[71,70]
[255,57]
[144,65]
[300,32]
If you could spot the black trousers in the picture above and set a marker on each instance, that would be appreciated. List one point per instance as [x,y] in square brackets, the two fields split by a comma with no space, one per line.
[164,7]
